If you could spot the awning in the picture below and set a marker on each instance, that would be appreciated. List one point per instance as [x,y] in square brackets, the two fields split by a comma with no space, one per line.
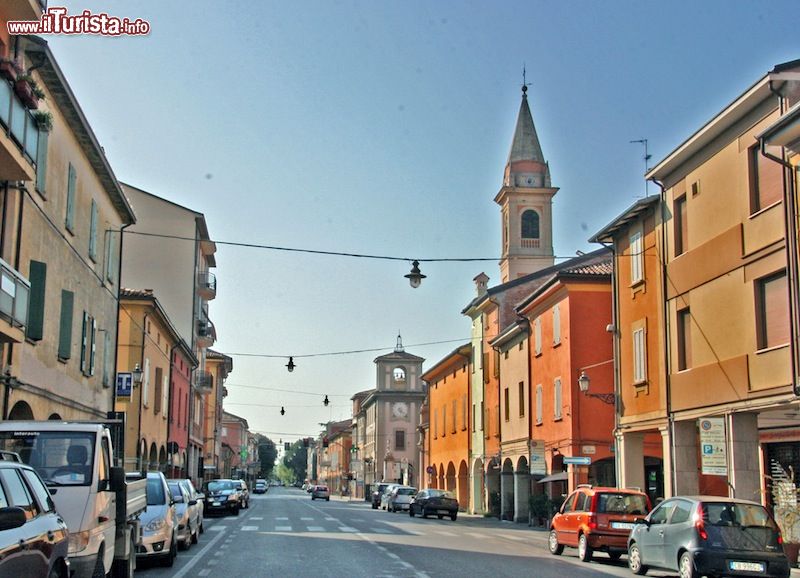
[559,477]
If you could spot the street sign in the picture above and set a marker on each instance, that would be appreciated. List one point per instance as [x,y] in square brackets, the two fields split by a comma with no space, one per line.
[713,456]
[430,469]
[538,463]
[243,453]
[578,460]
[124,384]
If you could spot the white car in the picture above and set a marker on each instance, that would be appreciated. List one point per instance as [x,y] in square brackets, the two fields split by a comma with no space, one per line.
[321,492]
[159,522]
[400,498]
[386,493]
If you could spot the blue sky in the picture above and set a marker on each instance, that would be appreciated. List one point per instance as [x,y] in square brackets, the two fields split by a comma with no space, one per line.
[383,128]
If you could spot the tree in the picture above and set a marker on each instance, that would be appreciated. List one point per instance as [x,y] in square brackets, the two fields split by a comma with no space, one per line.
[296,459]
[267,454]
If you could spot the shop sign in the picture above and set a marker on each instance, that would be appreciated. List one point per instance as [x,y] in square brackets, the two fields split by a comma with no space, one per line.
[537,461]
[713,456]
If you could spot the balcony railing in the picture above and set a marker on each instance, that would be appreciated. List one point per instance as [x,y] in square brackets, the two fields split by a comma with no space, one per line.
[206,333]
[14,293]
[207,284]
[203,381]
[530,243]
[18,122]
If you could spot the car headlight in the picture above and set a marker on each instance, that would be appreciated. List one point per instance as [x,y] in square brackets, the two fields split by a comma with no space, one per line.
[78,541]
[156,525]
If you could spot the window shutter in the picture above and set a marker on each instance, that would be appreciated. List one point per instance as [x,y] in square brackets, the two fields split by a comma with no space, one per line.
[165,395]
[556,325]
[557,399]
[539,404]
[106,358]
[93,231]
[84,342]
[72,178]
[537,335]
[111,257]
[65,327]
[93,349]
[34,330]
[41,162]
[146,384]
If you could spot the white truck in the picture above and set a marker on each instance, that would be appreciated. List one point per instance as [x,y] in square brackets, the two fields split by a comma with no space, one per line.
[101,508]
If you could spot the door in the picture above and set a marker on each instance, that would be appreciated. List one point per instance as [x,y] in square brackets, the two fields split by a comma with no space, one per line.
[106,499]
[651,540]
[654,478]
[49,526]
[562,524]
[579,516]
[30,535]
[675,532]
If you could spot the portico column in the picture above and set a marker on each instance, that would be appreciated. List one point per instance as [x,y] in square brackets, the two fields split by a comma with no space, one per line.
[667,462]
[744,470]
[684,451]
[522,490]
[631,457]
[506,495]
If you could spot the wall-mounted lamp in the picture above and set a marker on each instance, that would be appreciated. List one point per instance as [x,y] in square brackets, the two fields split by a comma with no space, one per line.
[325,401]
[583,385]
[283,411]
[290,366]
[137,375]
[415,277]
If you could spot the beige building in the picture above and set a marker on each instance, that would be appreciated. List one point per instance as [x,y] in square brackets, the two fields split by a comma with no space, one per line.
[63,211]
[218,365]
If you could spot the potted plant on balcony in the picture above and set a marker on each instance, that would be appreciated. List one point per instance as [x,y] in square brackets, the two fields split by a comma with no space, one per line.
[24,89]
[10,69]
[44,120]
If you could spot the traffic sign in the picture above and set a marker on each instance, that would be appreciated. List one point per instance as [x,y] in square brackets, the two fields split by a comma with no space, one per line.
[578,460]
[124,384]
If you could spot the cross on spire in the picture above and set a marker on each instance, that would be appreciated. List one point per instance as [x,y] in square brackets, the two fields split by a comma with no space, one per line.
[525,84]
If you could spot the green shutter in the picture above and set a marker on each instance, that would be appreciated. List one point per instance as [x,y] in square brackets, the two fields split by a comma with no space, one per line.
[41,162]
[83,342]
[70,217]
[65,329]
[38,277]
[93,232]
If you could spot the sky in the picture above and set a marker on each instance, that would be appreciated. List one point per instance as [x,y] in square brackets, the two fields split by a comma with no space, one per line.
[383,128]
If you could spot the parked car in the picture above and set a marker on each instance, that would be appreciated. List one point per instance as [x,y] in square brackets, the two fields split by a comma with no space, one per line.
[385,496]
[708,535]
[321,492]
[597,518]
[223,496]
[244,493]
[201,500]
[33,537]
[187,512]
[377,493]
[159,523]
[400,498]
[432,501]
[260,487]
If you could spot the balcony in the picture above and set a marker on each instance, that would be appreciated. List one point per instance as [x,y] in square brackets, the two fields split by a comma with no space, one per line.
[206,285]
[14,293]
[24,9]
[206,333]
[203,381]
[19,140]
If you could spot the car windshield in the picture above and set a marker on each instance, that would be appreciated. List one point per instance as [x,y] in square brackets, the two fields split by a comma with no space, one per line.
[440,494]
[738,526]
[621,503]
[220,485]
[406,491]
[62,458]
[155,492]
[175,490]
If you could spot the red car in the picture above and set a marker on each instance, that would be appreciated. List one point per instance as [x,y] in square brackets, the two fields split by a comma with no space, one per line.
[597,518]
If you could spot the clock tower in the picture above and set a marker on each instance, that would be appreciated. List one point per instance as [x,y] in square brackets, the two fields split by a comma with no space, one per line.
[526,201]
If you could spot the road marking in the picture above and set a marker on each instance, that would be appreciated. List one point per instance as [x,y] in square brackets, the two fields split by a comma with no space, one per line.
[221,528]
[357,520]
[329,519]
[282,518]
[254,518]
[315,528]
[205,572]
[511,537]
[477,535]
[249,528]
[347,529]
[393,556]
[444,533]
[190,564]
[381,531]
[307,519]
[283,528]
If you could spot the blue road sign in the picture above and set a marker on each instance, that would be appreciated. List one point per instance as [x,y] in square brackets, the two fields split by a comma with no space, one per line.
[124,384]
[578,460]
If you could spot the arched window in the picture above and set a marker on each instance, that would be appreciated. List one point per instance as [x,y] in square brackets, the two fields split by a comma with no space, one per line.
[530,224]
[399,374]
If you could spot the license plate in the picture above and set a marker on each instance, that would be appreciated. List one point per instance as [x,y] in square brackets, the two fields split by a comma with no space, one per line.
[622,525]
[215,503]
[748,566]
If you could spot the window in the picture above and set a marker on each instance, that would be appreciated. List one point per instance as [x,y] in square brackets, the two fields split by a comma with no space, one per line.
[483,415]
[108,359]
[569,504]
[35,483]
[521,397]
[400,439]
[20,495]
[661,514]
[537,336]
[684,339]
[580,502]
[496,368]
[399,375]
[637,258]
[772,311]
[146,383]
[88,344]
[165,394]
[695,188]
[65,325]
[93,232]
[557,398]
[681,225]
[69,219]
[539,411]
[681,513]
[766,180]
[455,414]
[530,224]
[473,418]
[158,395]
[639,358]
[556,325]
[41,163]
[485,368]
[34,330]
[464,409]
[444,420]
[111,257]
[506,404]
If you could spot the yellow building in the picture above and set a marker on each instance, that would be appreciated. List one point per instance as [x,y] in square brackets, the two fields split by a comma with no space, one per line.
[63,210]
[218,366]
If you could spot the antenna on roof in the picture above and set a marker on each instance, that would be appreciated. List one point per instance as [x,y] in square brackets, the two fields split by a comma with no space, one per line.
[646,158]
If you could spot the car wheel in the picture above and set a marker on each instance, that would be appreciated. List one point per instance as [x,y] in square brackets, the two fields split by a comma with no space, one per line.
[411,511]
[686,566]
[584,551]
[635,560]
[424,513]
[454,516]
[173,553]
[99,571]
[202,529]
[194,535]
[552,544]
[327,499]
[374,506]
[313,498]
[236,511]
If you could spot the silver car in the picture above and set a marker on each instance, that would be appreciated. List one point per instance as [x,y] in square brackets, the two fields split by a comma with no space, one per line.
[385,496]
[159,522]
[187,512]
[400,498]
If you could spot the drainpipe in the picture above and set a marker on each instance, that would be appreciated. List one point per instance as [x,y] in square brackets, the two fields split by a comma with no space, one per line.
[116,337]
[789,214]
[615,341]
[665,317]
[141,391]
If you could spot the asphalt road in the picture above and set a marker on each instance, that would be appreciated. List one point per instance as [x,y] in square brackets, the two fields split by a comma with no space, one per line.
[286,534]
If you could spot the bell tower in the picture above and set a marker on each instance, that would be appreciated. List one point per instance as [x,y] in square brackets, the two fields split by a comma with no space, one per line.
[526,202]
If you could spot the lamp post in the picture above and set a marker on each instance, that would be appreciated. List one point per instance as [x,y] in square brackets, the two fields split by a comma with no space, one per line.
[583,385]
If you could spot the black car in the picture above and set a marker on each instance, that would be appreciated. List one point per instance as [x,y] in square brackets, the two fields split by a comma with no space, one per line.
[432,501]
[708,536]
[377,493]
[33,538]
[223,496]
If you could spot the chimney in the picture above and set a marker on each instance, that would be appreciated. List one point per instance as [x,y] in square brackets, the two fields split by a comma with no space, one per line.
[481,281]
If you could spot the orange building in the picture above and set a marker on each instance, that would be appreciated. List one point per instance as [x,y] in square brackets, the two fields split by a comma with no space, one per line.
[449,424]
[569,315]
